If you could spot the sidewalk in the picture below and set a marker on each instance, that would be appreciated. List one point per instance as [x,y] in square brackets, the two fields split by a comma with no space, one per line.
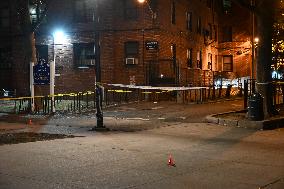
[144,116]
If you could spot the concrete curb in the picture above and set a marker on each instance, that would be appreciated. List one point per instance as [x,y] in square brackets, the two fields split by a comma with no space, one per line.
[267,124]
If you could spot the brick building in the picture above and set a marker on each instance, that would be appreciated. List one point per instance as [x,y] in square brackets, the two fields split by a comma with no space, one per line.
[158,42]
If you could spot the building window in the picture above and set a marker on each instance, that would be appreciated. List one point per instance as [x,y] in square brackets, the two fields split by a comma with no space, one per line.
[215,32]
[173,11]
[189,58]
[228,63]
[4,18]
[131,49]
[209,65]
[227,34]
[130,10]
[189,21]
[209,3]
[42,53]
[82,12]
[153,5]
[199,28]
[199,59]
[37,11]
[84,54]
[227,6]
[210,31]
[5,58]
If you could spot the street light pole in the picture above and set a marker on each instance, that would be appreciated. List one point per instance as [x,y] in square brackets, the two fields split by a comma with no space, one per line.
[52,76]
[252,40]
[99,88]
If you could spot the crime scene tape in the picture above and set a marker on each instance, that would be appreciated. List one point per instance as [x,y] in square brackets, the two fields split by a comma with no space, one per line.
[148,90]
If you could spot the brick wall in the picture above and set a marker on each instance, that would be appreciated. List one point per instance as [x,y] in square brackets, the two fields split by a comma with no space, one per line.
[115,30]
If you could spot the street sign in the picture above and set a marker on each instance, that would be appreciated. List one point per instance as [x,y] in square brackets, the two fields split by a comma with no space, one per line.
[152,45]
[41,73]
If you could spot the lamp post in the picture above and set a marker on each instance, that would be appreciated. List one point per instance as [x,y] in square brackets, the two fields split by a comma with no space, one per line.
[153,14]
[252,40]
[143,39]
[58,38]
[99,89]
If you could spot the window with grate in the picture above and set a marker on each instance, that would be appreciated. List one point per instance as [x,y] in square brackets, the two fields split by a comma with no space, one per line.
[84,55]
[228,63]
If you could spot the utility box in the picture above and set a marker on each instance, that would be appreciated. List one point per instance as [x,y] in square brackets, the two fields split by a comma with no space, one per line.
[255,107]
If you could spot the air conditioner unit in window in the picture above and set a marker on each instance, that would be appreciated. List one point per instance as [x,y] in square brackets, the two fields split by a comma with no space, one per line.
[89,62]
[131,61]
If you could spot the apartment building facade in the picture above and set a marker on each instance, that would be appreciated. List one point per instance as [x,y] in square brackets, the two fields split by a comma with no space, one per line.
[158,42]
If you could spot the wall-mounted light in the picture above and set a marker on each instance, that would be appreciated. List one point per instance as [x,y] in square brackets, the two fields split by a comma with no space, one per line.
[256,40]
[141,1]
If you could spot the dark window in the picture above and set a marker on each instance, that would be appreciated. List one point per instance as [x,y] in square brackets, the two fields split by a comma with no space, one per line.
[82,12]
[5,58]
[209,66]
[84,54]
[37,10]
[210,31]
[130,10]
[173,11]
[228,63]
[227,6]
[131,49]
[199,28]
[209,3]
[227,34]
[153,5]
[189,21]
[42,52]
[189,58]
[199,59]
[4,18]
[215,32]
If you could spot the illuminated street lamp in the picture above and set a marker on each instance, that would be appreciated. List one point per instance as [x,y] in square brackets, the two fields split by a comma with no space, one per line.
[59,37]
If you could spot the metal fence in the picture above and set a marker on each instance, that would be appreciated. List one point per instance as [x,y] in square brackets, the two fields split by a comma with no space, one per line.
[277,93]
[113,96]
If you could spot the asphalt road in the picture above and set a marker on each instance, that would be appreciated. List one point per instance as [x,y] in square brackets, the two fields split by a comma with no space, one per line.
[206,156]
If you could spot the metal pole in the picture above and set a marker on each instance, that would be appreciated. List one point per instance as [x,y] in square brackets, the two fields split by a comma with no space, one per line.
[99,114]
[143,39]
[52,77]
[32,86]
[252,41]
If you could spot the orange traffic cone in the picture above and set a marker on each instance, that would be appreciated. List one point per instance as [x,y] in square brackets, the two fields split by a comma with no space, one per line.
[171,161]
[30,122]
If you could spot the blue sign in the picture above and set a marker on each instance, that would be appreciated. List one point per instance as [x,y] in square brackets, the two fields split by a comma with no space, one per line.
[41,73]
